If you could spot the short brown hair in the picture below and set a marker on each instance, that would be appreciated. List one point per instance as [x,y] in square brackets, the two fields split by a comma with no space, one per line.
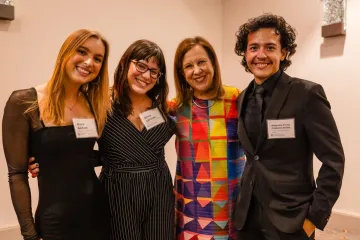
[183,90]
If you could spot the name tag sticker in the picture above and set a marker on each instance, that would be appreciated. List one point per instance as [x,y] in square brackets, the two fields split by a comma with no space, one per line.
[281,128]
[151,118]
[85,128]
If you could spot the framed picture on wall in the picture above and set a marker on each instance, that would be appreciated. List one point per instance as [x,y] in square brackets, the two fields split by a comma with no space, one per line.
[7,10]
[334,20]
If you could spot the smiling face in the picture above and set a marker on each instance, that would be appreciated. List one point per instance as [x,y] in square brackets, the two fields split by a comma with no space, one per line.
[141,82]
[85,63]
[264,54]
[198,70]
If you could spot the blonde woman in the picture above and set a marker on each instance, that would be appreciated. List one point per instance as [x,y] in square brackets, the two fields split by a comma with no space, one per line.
[58,123]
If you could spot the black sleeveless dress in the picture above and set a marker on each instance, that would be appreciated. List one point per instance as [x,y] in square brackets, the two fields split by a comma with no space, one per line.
[73,203]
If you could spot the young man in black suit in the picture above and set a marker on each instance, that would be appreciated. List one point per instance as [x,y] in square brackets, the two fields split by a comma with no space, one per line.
[283,121]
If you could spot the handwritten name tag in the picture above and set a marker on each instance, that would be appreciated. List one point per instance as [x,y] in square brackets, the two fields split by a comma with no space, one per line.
[151,118]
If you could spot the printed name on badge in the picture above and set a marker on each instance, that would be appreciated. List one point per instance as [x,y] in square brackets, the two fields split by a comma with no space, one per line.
[151,118]
[281,128]
[85,128]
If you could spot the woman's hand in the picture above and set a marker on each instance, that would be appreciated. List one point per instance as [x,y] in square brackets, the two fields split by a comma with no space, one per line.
[33,167]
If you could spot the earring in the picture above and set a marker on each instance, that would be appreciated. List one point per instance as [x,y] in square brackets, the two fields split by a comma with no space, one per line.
[157,81]
[85,87]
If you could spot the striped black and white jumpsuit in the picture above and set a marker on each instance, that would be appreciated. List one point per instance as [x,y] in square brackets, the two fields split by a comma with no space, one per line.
[137,180]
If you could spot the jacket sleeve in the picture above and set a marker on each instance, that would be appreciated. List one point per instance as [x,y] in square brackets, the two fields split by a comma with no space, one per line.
[325,142]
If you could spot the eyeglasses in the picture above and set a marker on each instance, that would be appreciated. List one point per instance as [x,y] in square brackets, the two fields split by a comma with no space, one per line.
[143,68]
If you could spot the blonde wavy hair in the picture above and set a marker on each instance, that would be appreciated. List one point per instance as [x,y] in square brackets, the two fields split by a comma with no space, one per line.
[96,91]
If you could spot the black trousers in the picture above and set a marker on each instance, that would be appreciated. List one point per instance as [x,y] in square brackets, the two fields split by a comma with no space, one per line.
[259,227]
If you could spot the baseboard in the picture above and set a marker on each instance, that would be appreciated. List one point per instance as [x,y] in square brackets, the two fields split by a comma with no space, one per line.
[346,225]
[11,233]
[341,220]
[341,226]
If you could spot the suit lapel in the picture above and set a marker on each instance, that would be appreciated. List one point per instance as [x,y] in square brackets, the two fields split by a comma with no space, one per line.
[277,101]
[242,134]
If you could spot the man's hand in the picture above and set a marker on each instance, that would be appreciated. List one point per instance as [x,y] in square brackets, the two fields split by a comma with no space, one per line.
[308,227]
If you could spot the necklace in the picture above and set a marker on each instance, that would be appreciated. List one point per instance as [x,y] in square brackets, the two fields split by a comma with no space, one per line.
[71,108]
[212,104]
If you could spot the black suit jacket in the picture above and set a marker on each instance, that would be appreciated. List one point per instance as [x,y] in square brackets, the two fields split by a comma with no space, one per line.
[283,168]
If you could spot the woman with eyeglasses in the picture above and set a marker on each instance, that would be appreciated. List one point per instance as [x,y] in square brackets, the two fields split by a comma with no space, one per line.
[135,173]
[131,148]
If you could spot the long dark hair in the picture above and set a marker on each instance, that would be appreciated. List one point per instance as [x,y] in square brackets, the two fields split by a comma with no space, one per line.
[139,50]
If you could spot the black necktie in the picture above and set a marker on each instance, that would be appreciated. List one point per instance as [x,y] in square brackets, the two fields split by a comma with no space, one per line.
[259,91]
[257,114]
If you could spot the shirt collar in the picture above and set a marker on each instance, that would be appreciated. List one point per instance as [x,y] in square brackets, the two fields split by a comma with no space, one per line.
[269,84]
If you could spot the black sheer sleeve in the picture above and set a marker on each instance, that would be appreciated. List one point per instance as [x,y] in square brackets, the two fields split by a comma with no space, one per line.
[16,127]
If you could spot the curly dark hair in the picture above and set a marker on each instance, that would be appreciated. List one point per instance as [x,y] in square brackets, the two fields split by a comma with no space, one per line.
[267,20]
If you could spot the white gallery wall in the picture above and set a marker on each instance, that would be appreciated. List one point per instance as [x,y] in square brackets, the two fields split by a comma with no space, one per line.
[332,62]
[29,46]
